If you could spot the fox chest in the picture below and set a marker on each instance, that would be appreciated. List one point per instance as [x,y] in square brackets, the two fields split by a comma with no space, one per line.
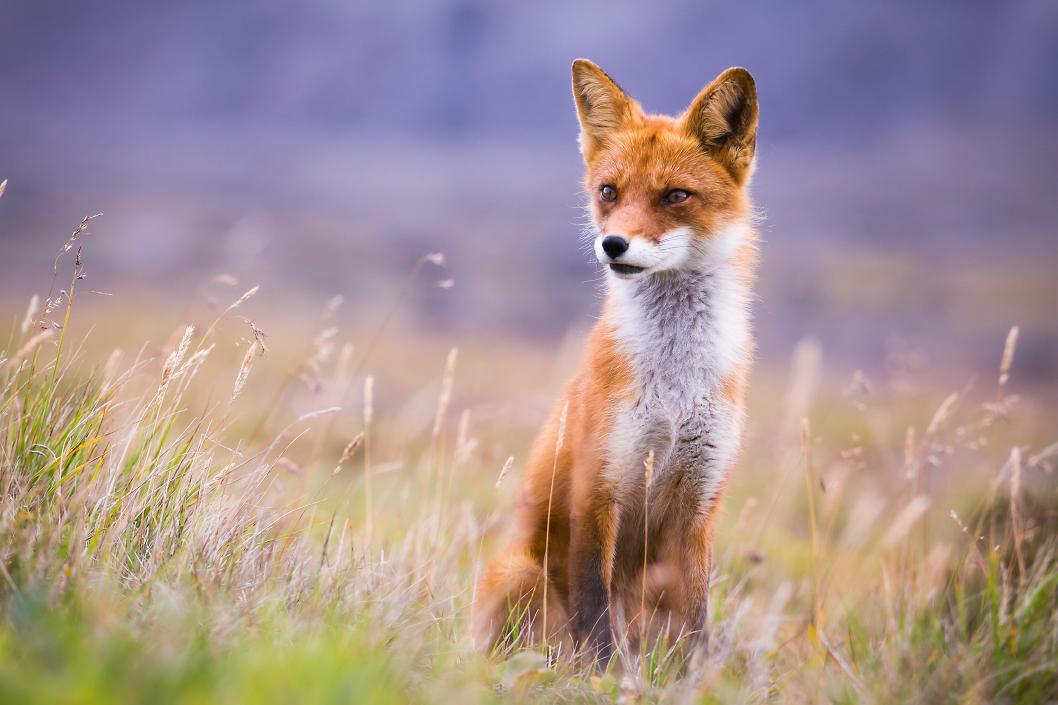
[693,431]
[684,337]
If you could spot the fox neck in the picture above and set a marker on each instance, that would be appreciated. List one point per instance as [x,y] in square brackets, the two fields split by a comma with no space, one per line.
[686,331]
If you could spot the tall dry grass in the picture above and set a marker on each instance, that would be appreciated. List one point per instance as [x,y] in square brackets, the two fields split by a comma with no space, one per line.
[201,522]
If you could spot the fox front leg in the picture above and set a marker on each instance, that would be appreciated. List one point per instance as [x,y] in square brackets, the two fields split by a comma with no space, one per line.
[590,573]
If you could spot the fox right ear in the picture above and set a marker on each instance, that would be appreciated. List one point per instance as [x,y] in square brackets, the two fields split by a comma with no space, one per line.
[602,107]
[724,119]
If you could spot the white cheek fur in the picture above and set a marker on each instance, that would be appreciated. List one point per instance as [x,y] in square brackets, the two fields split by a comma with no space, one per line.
[670,252]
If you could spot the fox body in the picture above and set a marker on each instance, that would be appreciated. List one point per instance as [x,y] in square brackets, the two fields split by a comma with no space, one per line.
[598,552]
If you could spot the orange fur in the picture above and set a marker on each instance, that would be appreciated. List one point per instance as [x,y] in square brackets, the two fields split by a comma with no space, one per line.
[594,570]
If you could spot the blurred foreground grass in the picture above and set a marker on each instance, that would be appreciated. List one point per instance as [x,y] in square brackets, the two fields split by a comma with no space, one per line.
[200,520]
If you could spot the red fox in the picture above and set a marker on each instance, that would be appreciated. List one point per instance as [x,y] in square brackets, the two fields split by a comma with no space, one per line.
[663,377]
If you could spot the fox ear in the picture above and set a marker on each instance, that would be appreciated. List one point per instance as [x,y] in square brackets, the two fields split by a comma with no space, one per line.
[602,107]
[724,120]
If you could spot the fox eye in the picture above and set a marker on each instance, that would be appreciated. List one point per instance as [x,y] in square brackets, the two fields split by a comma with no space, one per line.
[607,193]
[675,196]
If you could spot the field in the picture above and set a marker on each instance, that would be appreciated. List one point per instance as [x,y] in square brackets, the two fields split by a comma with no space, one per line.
[216,501]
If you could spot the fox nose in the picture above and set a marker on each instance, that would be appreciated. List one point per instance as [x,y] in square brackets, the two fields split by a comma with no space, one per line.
[614,246]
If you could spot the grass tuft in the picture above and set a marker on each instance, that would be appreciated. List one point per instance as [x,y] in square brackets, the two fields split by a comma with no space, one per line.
[165,540]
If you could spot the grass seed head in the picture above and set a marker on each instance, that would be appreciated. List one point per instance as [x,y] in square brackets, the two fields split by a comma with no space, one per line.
[244,369]
[447,380]
[31,313]
[1008,356]
[247,295]
[30,345]
[349,451]
[505,470]
[369,400]
[561,428]
[905,521]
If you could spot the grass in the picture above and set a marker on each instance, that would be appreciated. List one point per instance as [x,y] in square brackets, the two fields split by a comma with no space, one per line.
[202,521]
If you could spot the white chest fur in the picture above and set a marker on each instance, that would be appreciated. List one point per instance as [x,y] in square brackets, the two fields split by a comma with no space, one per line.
[684,332]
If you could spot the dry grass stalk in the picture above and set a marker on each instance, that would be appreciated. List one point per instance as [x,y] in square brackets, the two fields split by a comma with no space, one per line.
[29,346]
[559,440]
[744,515]
[51,302]
[175,358]
[904,521]
[862,518]
[910,453]
[504,471]
[349,451]
[244,369]
[805,376]
[1042,458]
[463,442]
[258,335]
[942,413]
[1015,523]
[648,479]
[162,508]
[1008,356]
[172,362]
[247,295]
[369,415]
[110,369]
[188,369]
[341,364]
[369,399]
[445,397]
[437,440]
[438,260]
[317,413]
[322,348]
[806,459]
[31,313]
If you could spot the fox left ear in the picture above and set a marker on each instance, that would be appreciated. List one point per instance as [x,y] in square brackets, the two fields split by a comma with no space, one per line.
[602,107]
[724,120]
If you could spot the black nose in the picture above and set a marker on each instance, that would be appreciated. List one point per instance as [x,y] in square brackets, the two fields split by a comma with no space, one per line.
[614,246]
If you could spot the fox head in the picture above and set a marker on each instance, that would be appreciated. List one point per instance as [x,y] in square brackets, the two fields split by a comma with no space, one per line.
[663,189]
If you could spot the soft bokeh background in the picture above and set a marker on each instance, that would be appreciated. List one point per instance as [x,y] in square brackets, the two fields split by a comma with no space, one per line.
[907,162]
[185,516]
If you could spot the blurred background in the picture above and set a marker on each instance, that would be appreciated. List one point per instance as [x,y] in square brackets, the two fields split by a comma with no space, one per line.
[232,500]
[908,159]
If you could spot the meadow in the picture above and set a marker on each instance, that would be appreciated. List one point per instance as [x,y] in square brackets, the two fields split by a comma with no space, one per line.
[216,501]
